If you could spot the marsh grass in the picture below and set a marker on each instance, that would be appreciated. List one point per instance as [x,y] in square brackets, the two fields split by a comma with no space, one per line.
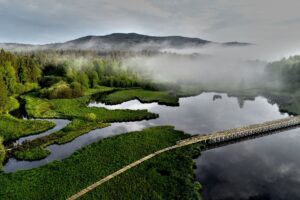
[59,180]
[35,149]
[77,109]
[145,96]
[2,152]
[12,128]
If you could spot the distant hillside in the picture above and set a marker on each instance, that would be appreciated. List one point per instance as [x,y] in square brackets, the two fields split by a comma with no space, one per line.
[119,41]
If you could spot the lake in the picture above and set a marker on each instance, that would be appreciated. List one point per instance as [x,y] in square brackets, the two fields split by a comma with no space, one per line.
[266,167]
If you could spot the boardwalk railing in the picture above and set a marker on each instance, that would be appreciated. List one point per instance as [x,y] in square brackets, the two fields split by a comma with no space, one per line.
[212,138]
[238,133]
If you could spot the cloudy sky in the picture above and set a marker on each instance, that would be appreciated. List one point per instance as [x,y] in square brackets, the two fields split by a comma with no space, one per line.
[256,21]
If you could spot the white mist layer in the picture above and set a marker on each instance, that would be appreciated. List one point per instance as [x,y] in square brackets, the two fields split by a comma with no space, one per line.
[214,64]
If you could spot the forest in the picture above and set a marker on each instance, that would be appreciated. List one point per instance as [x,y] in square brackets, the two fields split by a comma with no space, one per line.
[60,75]
[60,84]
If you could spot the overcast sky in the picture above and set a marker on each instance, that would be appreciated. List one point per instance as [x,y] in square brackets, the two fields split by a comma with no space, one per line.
[256,21]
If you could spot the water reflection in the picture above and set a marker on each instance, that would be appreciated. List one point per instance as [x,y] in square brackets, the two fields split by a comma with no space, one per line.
[203,113]
[264,168]
[59,124]
[59,152]
[195,115]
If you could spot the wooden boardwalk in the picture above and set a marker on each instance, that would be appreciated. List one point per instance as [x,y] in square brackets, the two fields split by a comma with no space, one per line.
[211,138]
[238,133]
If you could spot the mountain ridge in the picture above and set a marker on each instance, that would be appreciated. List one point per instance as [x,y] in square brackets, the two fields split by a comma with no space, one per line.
[120,41]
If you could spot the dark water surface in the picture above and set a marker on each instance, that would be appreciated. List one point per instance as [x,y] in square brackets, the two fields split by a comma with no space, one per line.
[264,168]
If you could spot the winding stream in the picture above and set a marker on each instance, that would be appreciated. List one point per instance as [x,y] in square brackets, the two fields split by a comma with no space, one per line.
[264,167]
[59,124]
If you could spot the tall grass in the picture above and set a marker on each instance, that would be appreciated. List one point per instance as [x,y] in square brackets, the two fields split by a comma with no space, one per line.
[2,152]
[59,180]
[12,128]
[35,149]
[77,109]
[145,96]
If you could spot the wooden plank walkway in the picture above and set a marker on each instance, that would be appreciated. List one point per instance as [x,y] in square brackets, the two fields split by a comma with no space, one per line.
[212,138]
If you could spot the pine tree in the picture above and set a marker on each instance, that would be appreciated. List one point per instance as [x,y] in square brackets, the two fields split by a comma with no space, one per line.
[3,95]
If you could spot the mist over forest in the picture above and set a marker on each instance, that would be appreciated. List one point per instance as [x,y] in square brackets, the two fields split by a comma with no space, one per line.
[152,100]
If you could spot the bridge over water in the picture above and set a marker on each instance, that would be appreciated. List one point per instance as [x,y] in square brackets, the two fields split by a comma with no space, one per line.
[213,139]
[243,132]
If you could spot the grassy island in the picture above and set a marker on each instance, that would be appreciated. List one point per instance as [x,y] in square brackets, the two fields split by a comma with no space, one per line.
[173,170]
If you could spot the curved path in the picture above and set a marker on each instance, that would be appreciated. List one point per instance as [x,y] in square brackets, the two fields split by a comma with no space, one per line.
[216,137]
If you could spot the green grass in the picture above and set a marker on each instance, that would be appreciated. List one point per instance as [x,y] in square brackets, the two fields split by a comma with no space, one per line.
[77,109]
[77,128]
[145,96]
[2,152]
[59,180]
[35,149]
[167,176]
[37,153]
[81,116]
[39,108]
[12,128]
[98,89]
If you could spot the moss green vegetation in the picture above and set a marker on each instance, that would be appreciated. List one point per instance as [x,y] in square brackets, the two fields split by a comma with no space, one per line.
[167,176]
[145,96]
[37,153]
[77,108]
[2,152]
[84,119]
[98,90]
[63,89]
[12,128]
[59,180]
[34,150]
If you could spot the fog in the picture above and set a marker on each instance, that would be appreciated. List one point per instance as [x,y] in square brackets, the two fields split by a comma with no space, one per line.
[215,64]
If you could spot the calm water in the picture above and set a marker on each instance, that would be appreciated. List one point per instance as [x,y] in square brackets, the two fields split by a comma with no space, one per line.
[265,168]
[60,124]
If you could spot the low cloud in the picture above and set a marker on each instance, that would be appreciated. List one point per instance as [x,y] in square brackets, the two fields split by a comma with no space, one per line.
[211,64]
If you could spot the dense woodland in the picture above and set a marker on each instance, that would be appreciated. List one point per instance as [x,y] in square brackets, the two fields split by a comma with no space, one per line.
[18,74]
[60,74]
[68,74]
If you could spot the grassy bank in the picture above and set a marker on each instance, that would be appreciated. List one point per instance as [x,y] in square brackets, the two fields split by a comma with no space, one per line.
[35,149]
[84,119]
[59,180]
[145,96]
[98,90]
[12,128]
[2,152]
[77,109]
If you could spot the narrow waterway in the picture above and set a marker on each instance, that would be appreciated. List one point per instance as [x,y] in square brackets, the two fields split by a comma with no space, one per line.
[59,124]
[260,168]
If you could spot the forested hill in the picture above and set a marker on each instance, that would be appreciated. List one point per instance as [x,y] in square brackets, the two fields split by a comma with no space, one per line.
[120,41]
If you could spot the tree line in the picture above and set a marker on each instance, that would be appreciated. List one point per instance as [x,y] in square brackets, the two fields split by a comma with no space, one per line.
[18,74]
[61,74]
[285,71]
